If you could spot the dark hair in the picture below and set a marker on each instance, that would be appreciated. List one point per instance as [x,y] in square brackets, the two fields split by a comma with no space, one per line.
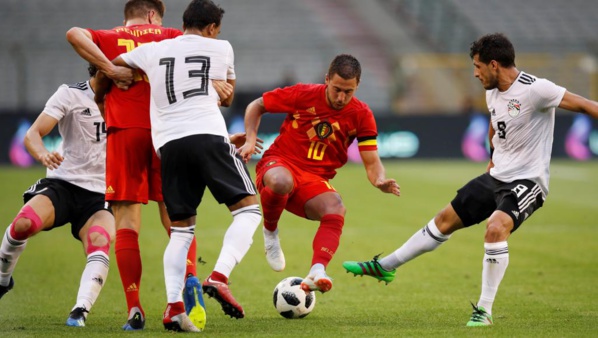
[92,69]
[345,66]
[139,8]
[494,47]
[201,13]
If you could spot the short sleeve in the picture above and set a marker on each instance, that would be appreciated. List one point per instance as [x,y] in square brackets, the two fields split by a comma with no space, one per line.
[230,61]
[140,56]
[280,100]
[59,104]
[545,94]
[367,131]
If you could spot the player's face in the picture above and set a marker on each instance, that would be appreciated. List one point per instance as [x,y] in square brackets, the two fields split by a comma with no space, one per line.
[339,91]
[486,73]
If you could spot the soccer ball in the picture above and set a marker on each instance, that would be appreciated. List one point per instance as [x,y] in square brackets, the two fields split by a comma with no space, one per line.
[291,301]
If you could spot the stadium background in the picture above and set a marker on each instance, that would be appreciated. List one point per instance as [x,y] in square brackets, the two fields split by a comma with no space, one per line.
[417,75]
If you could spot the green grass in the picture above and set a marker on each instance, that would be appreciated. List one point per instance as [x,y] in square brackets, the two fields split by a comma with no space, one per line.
[549,289]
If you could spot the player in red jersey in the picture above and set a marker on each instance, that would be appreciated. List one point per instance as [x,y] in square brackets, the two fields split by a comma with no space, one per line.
[322,121]
[132,167]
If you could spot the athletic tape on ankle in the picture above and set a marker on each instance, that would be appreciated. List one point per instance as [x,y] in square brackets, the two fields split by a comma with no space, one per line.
[26,212]
[92,248]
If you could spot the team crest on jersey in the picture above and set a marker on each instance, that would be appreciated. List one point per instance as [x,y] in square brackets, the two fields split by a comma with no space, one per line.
[514,107]
[323,129]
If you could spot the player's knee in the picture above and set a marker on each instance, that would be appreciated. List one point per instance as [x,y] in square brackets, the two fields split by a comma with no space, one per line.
[98,239]
[335,207]
[26,224]
[280,184]
[497,230]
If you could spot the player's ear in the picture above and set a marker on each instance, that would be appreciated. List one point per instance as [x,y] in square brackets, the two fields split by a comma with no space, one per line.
[212,30]
[150,16]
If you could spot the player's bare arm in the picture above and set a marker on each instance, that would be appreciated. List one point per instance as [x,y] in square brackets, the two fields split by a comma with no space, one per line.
[490,136]
[253,117]
[82,43]
[225,90]
[377,174]
[101,88]
[42,126]
[576,103]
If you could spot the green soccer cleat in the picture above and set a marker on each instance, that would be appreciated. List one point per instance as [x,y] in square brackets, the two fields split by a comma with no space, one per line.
[479,317]
[370,268]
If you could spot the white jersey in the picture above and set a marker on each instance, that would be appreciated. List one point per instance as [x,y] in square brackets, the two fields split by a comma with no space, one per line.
[523,121]
[180,72]
[83,134]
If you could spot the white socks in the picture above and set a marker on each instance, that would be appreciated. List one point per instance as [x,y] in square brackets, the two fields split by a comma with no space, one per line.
[175,261]
[238,238]
[10,251]
[425,240]
[495,264]
[93,278]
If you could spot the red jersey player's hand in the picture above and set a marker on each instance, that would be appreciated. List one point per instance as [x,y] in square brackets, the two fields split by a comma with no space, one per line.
[247,150]
[389,186]
[51,160]
[239,139]
[121,75]
[223,88]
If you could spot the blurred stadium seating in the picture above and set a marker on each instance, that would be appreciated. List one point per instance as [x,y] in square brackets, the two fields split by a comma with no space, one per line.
[413,52]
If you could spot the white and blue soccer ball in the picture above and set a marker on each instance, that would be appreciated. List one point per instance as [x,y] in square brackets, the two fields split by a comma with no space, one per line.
[291,301]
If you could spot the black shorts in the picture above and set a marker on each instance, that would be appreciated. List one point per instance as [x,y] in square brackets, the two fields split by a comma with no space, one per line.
[72,204]
[479,198]
[192,163]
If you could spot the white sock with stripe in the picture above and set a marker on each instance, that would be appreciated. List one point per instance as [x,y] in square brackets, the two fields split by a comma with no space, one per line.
[10,251]
[496,260]
[238,238]
[424,240]
[93,279]
[175,261]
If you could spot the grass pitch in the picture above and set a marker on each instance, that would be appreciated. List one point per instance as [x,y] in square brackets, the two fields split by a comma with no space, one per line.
[549,289]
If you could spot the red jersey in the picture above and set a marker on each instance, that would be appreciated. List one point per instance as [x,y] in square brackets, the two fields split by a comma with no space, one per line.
[314,136]
[129,108]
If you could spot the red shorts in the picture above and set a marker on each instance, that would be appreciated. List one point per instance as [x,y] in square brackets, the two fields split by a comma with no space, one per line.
[306,185]
[132,166]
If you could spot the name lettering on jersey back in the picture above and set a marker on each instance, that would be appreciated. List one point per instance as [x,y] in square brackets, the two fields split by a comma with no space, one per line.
[139,32]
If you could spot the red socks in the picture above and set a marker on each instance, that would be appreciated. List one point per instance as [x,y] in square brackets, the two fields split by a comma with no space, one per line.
[218,277]
[273,205]
[192,259]
[327,239]
[128,260]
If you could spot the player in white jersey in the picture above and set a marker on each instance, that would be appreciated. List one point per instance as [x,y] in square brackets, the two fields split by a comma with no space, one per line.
[189,134]
[72,192]
[515,185]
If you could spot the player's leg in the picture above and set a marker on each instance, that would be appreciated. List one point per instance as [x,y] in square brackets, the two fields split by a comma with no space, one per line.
[36,215]
[516,203]
[175,317]
[494,266]
[155,194]
[183,187]
[328,208]
[275,183]
[128,259]
[237,241]
[474,203]
[192,294]
[229,181]
[96,235]
[128,161]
